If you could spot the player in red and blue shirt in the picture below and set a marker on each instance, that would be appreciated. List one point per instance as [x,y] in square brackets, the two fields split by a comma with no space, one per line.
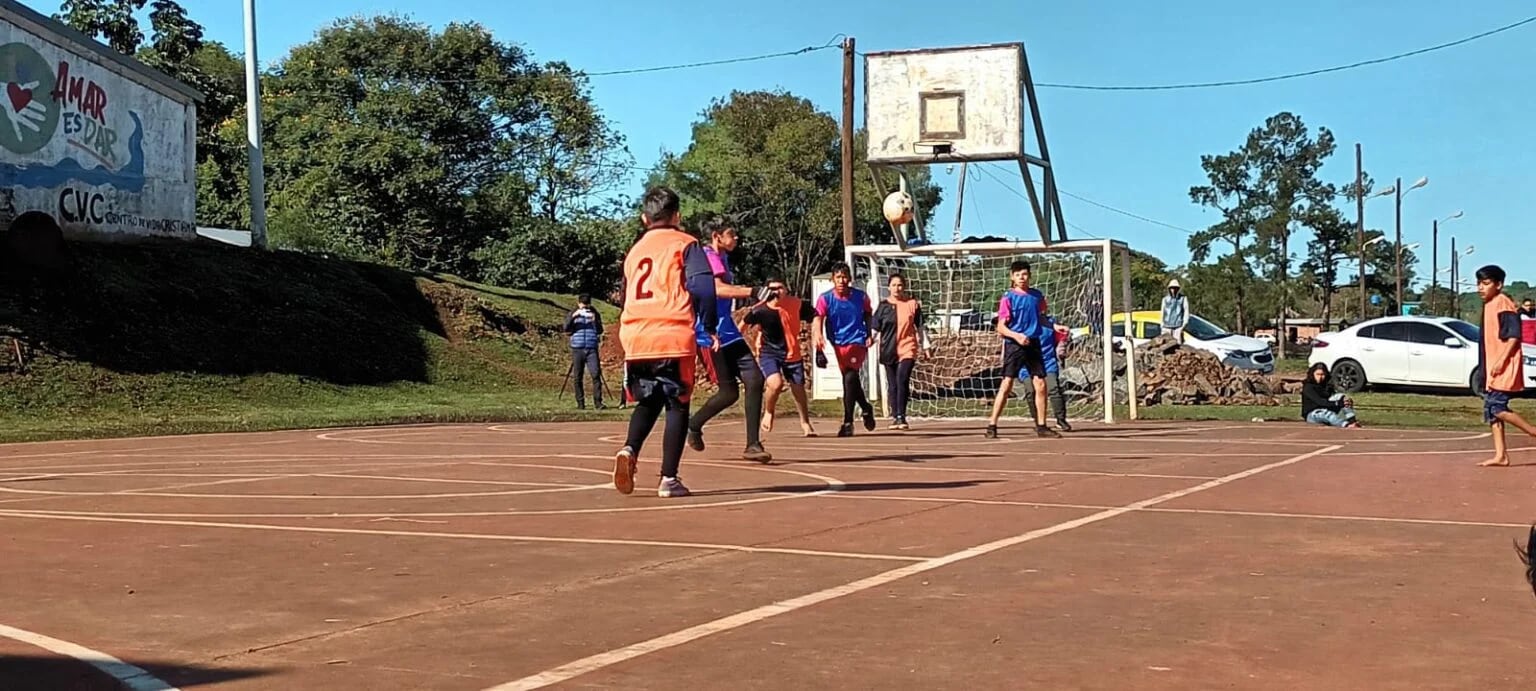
[843,317]
[1021,324]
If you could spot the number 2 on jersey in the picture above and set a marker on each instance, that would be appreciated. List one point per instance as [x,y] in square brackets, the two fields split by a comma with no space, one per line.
[647,266]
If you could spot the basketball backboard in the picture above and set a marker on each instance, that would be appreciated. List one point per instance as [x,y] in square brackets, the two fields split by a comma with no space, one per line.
[945,105]
[961,104]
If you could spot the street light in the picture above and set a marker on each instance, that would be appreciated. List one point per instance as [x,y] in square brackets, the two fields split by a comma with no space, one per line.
[256,168]
[1398,265]
[1434,239]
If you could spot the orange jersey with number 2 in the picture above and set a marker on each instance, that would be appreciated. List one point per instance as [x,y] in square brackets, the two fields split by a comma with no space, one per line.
[657,321]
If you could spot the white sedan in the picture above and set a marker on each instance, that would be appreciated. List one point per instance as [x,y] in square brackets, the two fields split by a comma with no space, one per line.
[1427,352]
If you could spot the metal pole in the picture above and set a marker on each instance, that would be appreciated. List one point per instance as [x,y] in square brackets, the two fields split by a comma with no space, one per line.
[848,141]
[1397,259]
[960,201]
[1434,261]
[1360,221]
[1108,296]
[257,172]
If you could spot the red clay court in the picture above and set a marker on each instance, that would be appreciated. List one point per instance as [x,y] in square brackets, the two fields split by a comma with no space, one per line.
[1137,556]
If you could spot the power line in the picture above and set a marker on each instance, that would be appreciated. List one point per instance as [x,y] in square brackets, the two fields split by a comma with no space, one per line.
[725,61]
[1123,212]
[1292,75]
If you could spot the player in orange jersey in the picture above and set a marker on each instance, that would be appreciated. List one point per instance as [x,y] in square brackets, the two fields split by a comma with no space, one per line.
[668,286]
[1502,361]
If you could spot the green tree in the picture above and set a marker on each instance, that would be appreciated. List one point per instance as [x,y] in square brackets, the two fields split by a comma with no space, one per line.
[110,21]
[418,148]
[771,161]
[1149,281]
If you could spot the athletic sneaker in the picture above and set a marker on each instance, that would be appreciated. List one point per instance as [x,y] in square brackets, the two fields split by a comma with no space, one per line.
[696,439]
[624,467]
[1047,432]
[756,453]
[1063,425]
[991,431]
[846,430]
[671,487]
[869,419]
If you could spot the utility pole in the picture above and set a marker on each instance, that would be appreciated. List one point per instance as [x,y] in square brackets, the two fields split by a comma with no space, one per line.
[960,205]
[1397,259]
[257,171]
[848,54]
[1434,261]
[1455,286]
[1360,221]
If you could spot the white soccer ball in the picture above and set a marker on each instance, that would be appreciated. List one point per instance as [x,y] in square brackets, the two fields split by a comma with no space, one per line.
[898,208]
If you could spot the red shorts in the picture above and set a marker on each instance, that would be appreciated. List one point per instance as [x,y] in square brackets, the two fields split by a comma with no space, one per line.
[850,358]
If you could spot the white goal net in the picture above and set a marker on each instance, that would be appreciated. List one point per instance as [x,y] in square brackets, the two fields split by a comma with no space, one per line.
[960,286]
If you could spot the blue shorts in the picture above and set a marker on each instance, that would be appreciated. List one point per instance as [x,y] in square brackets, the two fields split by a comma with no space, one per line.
[1494,402]
[794,372]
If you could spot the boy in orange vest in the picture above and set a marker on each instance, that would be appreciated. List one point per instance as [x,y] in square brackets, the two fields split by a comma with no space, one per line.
[1501,360]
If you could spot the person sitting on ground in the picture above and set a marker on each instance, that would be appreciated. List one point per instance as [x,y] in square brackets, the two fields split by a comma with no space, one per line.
[1321,406]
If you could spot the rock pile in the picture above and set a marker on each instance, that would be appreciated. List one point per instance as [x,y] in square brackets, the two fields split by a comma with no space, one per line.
[1172,374]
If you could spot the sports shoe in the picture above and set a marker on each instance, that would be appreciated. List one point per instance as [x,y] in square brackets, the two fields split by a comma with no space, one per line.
[624,467]
[671,487]
[756,453]
[1063,425]
[696,439]
[846,430]
[991,431]
[869,419]
[1043,431]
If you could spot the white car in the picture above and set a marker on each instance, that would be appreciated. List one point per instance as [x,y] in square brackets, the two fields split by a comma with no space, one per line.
[1424,352]
[1242,352]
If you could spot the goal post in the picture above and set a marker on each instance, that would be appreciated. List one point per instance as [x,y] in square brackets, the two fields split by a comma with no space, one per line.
[960,286]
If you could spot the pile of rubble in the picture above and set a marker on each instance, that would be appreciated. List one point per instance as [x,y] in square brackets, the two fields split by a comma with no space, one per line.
[1171,374]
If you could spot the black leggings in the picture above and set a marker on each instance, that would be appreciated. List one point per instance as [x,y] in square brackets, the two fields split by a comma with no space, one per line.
[853,394]
[734,363]
[656,386]
[898,386]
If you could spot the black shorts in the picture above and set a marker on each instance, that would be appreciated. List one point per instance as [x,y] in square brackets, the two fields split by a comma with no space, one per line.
[670,380]
[1027,358]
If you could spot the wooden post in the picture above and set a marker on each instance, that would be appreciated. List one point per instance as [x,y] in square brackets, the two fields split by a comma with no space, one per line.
[847,162]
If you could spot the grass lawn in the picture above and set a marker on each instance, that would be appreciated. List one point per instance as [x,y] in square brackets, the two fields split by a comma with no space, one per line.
[172,338]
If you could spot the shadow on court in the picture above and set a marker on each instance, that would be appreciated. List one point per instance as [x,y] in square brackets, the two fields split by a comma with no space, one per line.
[850,487]
[36,673]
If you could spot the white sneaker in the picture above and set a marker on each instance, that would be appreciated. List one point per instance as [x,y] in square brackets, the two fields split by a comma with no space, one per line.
[671,487]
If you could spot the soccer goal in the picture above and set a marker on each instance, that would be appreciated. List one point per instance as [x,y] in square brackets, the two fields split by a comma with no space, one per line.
[960,286]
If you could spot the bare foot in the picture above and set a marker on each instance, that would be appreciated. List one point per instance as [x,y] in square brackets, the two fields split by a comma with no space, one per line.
[807,430]
[767,425]
[1495,462]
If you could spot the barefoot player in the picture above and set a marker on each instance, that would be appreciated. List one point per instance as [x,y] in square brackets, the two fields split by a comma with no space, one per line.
[1502,361]
[668,287]
[779,352]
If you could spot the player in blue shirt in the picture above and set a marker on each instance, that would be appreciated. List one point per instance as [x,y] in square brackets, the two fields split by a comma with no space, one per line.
[843,317]
[1050,355]
[1020,323]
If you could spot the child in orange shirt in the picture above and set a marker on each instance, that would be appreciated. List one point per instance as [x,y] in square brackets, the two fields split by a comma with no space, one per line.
[1501,359]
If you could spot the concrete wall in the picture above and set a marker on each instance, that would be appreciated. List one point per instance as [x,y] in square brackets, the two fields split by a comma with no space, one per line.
[92,144]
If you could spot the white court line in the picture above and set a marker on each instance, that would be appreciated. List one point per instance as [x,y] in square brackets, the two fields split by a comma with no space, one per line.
[474,536]
[134,678]
[1213,512]
[601,660]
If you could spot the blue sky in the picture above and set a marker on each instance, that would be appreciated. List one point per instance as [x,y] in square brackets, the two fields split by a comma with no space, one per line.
[1461,116]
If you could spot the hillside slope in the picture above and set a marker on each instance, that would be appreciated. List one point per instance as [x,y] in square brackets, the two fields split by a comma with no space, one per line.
[171,337]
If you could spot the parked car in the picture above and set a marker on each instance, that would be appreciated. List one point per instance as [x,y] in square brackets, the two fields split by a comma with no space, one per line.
[1242,352]
[1411,351]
